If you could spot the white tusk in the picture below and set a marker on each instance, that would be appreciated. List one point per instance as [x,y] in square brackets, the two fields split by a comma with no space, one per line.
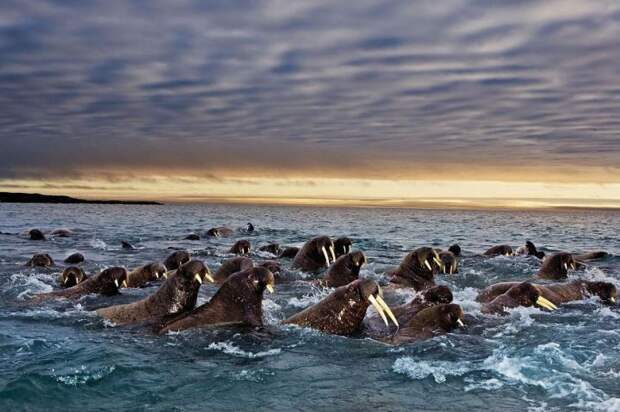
[387,310]
[331,250]
[125,285]
[428,265]
[198,278]
[116,282]
[378,308]
[565,266]
[460,323]
[326,256]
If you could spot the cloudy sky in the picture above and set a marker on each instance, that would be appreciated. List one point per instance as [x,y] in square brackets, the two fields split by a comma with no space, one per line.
[315,99]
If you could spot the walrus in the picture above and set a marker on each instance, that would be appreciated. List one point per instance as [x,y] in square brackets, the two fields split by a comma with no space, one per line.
[273,266]
[315,254]
[501,250]
[74,258]
[342,246]
[61,233]
[241,247]
[231,266]
[522,294]
[343,310]
[249,227]
[289,252]
[584,257]
[126,245]
[531,250]
[36,234]
[178,294]
[105,283]
[142,275]
[345,270]
[449,262]
[219,232]
[555,267]
[428,323]
[40,260]
[176,259]
[71,276]
[237,302]
[192,236]
[558,293]
[416,269]
[436,295]
[272,248]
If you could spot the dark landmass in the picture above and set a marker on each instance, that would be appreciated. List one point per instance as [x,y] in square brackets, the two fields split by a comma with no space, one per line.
[8,197]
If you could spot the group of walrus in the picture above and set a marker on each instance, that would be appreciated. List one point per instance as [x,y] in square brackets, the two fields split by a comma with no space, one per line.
[241,284]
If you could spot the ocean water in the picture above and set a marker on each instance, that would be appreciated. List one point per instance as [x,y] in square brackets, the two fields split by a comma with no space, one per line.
[59,356]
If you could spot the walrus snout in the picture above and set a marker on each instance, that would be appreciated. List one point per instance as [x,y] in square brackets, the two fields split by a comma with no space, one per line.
[262,278]
[438,294]
[41,260]
[370,291]
[197,271]
[72,276]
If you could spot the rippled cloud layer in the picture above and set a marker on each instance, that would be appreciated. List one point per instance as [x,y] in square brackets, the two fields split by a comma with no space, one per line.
[392,90]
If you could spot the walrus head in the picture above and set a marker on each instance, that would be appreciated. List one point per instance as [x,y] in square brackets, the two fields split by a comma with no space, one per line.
[455,249]
[532,251]
[345,270]
[249,227]
[41,260]
[272,248]
[176,259]
[416,269]
[36,234]
[522,294]
[156,270]
[196,271]
[319,251]
[71,276]
[342,311]
[231,266]
[109,281]
[437,294]
[75,258]
[556,266]
[606,291]
[241,247]
[449,263]
[214,232]
[438,319]
[272,265]
[342,246]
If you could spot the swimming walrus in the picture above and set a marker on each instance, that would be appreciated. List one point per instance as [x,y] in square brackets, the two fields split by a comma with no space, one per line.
[105,283]
[343,310]
[178,294]
[530,250]
[127,246]
[219,232]
[237,302]
[36,234]
[436,295]
[289,252]
[522,294]
[142,275]
[584,257]
[192,236]
[241,247]
[428,323]
[61,233]
[416,269]
[555,267]
[501,250]
[315,254]
[74,258]
[345,270]
[176,259]
[231,266]
[71,276]
[40,260]
[249,227]
[273,266]
[449,260]
[558,293]
[342,246]
[272,248]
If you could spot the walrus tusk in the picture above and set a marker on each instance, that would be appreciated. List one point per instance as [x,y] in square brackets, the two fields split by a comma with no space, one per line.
[460,323]
[573,265]
[124,284]
[198,278]
[565,266]
[438,261]
[612,299]
[269,288]
[326,256]
[331,250]
[378,308]
[387,309]
[116,282]
[64,281]
[428,265]
[545,303]
[209,278]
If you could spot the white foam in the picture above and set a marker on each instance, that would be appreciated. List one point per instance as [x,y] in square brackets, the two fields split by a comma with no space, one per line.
[98,244]
[231,349]
[439,370]
[82,375]
[309,299]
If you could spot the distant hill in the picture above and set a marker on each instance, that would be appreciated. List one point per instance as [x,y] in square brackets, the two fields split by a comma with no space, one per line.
[7,197]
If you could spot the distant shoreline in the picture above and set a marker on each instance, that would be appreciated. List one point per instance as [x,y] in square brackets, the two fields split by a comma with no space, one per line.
[8,197]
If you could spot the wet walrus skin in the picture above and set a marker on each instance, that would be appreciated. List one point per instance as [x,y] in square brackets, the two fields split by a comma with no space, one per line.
[272,248]
[36,234]
[71,276]
[142,275]
[342,246]
[237,302]
[74,258]
[522,294]
[416,269]
[219,232]
[176,259]
[429,322]
[178,294]
[316,254]
[345,270]
[241,247]
[584,257]
[501,250]
[558,293]
[555,267]
[41,260]
[231,266]
[105,283]
[289,252]
[343,310]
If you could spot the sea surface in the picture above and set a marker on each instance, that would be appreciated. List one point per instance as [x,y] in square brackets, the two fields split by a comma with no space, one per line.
[60,356]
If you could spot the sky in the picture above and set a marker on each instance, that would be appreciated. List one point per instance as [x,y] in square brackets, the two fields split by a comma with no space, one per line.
[368,102]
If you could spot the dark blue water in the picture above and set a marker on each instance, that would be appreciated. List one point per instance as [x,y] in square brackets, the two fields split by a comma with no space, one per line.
[60,356]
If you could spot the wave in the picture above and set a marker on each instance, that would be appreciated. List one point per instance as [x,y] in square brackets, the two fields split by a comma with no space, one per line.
[230,349]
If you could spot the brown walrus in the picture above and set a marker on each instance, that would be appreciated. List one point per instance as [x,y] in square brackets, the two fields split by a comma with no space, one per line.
[61,233]
[192,236]
[41,260]
[437,295]
[416,269]
[428,323]
[241,247]
[289,252]
[501,250]
[71,276]
[36,234]
[231,266]
[345,270]
[105,283]
[219,232]
[178,294]
[176,259]
[237,302]
[273,266]
[522,294]
[343,310]
[584,257]
[272,248]
[315,254]
[449,260]
[342,246]
[142,275]
[555,267]
[74,258]
[558,293]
